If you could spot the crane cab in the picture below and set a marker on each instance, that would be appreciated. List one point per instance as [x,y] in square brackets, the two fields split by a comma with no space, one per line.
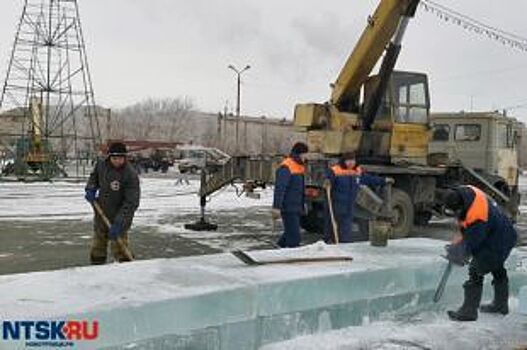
[398,134]
[400,131]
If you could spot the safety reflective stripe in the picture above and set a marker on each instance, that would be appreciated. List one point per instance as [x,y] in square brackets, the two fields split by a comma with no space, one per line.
[294,167]
[340,171]
[479,209]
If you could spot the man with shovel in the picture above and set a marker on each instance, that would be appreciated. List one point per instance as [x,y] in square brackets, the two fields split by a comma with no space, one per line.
[342,185]
[487,235]
[113,190]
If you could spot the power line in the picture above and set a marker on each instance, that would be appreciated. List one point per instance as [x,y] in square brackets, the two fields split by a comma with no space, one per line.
[475,26]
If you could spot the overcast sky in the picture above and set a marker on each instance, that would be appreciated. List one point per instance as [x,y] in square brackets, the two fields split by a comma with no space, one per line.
[170,48]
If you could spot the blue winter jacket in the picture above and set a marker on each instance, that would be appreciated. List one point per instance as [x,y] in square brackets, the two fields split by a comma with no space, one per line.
[496,234]
[289,186]
[345,186]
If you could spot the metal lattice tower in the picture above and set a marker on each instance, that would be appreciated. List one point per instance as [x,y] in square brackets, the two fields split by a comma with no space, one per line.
[48,82]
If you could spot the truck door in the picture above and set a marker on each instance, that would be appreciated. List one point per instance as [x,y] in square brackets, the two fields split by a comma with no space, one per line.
[471,144]
[506,156]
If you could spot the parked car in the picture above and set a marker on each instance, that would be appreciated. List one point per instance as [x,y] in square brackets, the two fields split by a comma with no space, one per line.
[195,158]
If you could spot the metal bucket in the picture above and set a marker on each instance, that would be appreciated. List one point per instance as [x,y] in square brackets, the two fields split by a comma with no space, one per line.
[380,232]
[369,200]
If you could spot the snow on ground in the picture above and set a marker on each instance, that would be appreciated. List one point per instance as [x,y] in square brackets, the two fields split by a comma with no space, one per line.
[61,200]
[48,225]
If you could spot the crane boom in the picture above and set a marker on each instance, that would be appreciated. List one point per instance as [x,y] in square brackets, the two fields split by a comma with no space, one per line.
[381,28]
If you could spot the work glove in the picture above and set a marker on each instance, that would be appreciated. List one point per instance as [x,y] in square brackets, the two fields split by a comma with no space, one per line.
[116,230]
[91,195]
[275,214]
[456,254]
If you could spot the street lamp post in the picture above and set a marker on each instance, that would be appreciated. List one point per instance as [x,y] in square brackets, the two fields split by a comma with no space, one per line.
[238,76]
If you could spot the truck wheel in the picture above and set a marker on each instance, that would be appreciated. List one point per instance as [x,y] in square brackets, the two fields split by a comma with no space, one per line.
[403,213]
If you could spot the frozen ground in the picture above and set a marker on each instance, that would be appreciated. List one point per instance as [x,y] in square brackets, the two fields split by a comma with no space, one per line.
[47,226]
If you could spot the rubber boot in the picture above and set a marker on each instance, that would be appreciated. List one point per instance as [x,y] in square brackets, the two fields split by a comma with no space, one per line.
[469,310]
[500,304]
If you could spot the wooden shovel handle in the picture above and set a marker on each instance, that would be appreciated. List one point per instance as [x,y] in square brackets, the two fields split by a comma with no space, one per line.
[108,224]
[332,215]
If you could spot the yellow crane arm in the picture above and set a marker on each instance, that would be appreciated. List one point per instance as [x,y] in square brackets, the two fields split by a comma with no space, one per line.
[379,31]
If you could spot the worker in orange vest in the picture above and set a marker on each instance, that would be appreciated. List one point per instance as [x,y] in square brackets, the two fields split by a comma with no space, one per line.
[488,236]
[343,179]
[288,201]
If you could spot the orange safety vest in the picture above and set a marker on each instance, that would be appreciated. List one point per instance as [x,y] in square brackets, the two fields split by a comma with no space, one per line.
[294,167]
[340,171]
[479,209]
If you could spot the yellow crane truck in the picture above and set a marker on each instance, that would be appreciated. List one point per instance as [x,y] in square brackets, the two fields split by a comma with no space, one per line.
[385,119]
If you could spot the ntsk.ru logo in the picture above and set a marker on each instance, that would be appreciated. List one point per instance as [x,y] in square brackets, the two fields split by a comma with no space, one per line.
[61,333]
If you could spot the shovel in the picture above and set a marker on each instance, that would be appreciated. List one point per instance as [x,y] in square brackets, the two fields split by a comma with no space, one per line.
[108,224]
[332,215]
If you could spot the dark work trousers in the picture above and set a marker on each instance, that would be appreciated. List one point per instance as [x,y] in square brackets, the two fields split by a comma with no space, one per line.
[291,236]
[483,263]
[344,224]
[99,247]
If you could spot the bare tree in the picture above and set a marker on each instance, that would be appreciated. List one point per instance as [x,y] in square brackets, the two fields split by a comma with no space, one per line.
[153,118]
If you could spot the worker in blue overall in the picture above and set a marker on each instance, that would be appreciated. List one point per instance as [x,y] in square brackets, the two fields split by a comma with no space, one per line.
[487,236]
[288,201]
[343,180]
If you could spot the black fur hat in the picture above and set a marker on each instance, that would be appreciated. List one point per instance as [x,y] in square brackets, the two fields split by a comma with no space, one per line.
[117,149]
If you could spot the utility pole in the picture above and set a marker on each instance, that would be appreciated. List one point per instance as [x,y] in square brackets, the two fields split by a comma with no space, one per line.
[238,98]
